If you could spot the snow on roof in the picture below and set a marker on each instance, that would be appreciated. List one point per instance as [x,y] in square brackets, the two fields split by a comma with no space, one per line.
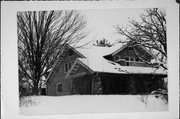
[98,50]
[96,62]
[106,66]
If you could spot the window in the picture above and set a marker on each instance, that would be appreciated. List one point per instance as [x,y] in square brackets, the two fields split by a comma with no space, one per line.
[127,58]
[59,87]
[116,58]
[127,63]
[67,66]
[131,59]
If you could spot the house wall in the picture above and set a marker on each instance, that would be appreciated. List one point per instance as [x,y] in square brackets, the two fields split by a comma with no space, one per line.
[81,81]
[60,78]
[82,84]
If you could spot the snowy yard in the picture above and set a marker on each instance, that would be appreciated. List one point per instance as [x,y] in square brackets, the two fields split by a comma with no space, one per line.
[91,104]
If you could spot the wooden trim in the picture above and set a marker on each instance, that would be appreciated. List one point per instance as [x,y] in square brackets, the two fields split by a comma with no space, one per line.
[82,64]
[70,47]
[124,46]
[129,74]
[67,73]
[78,75]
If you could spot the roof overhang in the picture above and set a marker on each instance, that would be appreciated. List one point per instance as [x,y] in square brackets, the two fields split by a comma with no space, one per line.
[131,74]
[78,62]
[126,45]
[72,48]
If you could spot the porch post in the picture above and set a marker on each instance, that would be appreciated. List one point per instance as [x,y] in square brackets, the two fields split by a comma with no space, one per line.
[92,86]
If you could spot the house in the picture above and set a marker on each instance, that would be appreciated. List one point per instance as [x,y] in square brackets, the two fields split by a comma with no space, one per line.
[104,70]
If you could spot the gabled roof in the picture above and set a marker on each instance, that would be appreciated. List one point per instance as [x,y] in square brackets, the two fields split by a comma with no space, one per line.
[126,45]
[100,51]
[76,51]
[94,59]
[78,62]
[106,66]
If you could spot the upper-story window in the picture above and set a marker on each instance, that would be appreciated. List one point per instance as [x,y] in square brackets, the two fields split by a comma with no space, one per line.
[132,59]
[127,61]
[67,66]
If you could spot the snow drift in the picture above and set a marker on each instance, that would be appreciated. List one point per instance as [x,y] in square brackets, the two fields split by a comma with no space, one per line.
[91,104]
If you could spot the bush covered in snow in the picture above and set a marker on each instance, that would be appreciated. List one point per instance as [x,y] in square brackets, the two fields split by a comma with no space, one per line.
[27,101]
[161,93]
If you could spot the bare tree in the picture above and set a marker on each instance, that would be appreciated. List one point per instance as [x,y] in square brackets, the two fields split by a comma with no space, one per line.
[103,43]
[42,36]
[150,33]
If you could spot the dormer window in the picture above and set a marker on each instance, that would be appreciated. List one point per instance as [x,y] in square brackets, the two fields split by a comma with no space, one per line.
[127,61]
[126,58]
[132,59]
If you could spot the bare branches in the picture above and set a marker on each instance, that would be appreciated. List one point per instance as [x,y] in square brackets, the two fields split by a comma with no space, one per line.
[42,36]
[103,43]
[150,33]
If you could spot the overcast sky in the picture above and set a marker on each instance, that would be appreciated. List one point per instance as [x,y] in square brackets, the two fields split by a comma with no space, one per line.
[100,22]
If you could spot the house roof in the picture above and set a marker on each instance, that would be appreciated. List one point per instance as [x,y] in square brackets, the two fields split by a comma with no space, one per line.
[100,51]
[94,59]
[124,46]
[105,66]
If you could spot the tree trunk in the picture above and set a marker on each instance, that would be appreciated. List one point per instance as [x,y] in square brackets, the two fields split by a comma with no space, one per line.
[35,89]
[37,75]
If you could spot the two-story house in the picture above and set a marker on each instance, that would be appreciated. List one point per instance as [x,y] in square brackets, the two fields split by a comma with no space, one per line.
[104,70]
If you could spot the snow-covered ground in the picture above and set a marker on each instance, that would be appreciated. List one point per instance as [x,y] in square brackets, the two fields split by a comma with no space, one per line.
[91,104]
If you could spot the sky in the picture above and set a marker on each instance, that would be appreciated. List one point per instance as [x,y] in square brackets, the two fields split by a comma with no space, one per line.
[100,22]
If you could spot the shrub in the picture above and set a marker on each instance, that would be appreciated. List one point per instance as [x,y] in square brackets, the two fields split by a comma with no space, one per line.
[27,101]
[161,93]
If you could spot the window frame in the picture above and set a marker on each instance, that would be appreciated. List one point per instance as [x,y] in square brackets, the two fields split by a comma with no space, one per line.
[132,59]
[57,87]
[128,60]
[68,66]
